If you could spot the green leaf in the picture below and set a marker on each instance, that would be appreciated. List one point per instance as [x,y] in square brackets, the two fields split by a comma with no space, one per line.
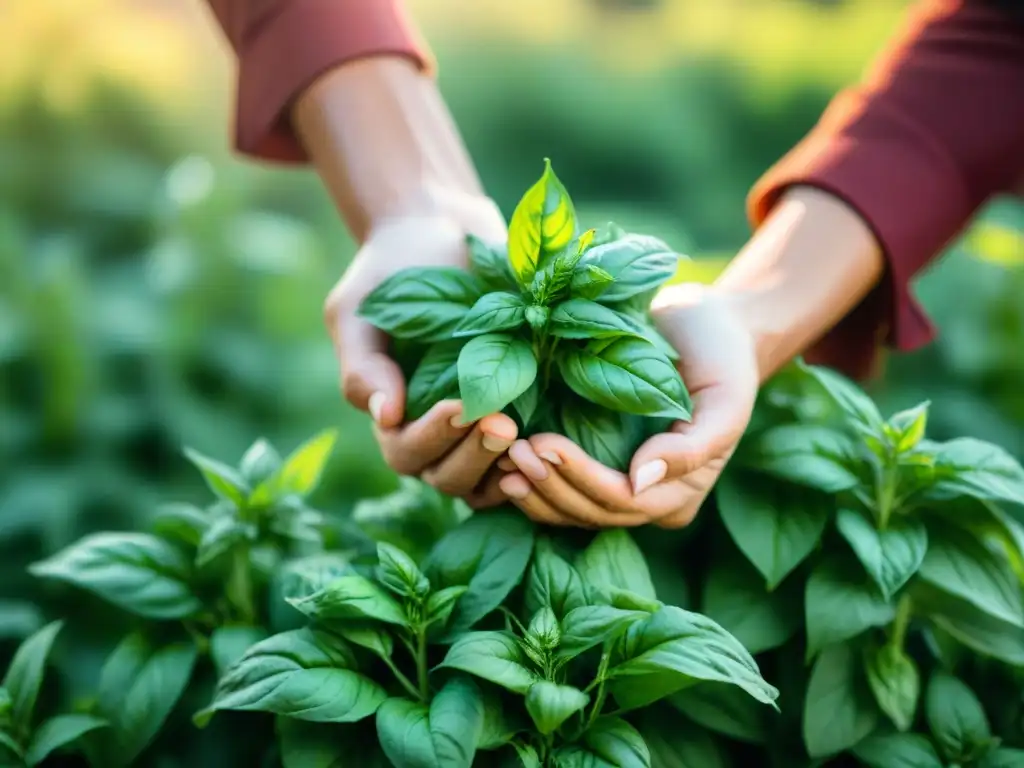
[956,719]
[841,604]
[351,597]
[735,597]
[544,631]
[488,554]
[441,604]
[222,535]
[608,436]
[626,374]
[182,522]
[550,704]
[315,745]
[613,560]
[960,565]
[638,263]
[24,676]
[848,397]
[368,636]
[307,674]
[222,479]
[895,682]
[610,743]
[493,312]
[909,427]
[891,557]
[228,644]
[138,572]
[58,732]
[490,265]
[421,304]
[589,281]
[436,378]
[526,755]
[676,743]
[543,223]
[494,369]
[260,463]
[969,467]
[139,687]
[975,629]
[775,528]
[673,649]
[443,736]
[527,403]
[838,711]
[499,728]
[592,625]
[492,656]
[1004,758]
[897,750]
[807,454]
[302,470]
[9,745]
[552,582]
[399,572]
[724,709]
[585,319]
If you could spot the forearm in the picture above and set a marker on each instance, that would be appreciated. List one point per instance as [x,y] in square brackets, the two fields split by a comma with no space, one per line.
[811,262]
[382,139]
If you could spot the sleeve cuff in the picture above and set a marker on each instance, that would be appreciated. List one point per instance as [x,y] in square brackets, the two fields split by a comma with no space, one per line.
[304,40]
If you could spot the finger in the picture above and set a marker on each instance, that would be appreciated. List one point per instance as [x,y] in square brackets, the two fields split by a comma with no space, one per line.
[370,380]
[412,448]
[489,494]
[569,501]
[720,416]
[462,469]
[684,516]
[520,492]
[506,464]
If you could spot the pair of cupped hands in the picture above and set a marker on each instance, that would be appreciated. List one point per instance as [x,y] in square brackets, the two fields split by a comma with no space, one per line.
[547,476]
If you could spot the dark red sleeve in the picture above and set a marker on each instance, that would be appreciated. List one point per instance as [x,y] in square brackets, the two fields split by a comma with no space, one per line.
[935,128]
[284,45]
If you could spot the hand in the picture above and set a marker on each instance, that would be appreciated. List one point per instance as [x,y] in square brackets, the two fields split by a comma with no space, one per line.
[455,458]
[671,474]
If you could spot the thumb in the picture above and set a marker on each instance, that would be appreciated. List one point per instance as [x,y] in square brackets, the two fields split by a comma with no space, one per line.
[720,416]
[370,379]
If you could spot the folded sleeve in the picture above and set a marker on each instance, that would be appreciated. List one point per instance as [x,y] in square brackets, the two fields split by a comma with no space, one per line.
[282,46]
[934,129]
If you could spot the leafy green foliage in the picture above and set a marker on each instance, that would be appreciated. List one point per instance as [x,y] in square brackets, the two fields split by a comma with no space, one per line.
[552,318]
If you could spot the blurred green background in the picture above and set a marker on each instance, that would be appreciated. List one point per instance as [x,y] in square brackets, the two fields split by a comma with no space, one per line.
[156,291]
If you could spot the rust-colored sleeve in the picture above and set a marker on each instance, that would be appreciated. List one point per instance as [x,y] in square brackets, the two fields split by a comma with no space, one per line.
[935,128]
[284,45]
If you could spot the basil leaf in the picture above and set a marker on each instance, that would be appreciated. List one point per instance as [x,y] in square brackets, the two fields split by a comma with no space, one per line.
[181,522]
[11,751]
[838,711]
[969,467]
[637,263]
[138,572]
[526,755]
[607,436]
[956,719]
[424,304]
[612,742]
[895,683]
[847,396]
[589,281]
[724,709]
[961,565]
[488,554]
[897,750]
[493,312]
[140,685]
[318,745]
[302,470]
[975,629]
[550,704]
[58,732]
[841,605]
[613,560]
[673,649]
[494,369]
[490,264]
[607,233]
[891,556]
[543,223]
[368,636]
[260,463]
[526,404]
[552,582]
[307,674]
[808,454]
[351,597]
[399,572]
[492,656]
[592,625]
[445,734]
[441,604]
[222,535]
[909,427]
[676,743]
[436,378]
[1004,758]
[774,528]
[24,676]
[224,481]
[585,319]
[628,375]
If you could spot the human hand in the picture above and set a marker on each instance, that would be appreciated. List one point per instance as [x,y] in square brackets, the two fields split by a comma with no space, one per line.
[457,459]
[554,482]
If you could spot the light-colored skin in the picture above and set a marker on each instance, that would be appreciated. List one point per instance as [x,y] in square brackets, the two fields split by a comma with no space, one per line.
[382,139]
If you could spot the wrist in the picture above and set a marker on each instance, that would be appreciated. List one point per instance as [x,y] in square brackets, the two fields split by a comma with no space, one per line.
[811,262]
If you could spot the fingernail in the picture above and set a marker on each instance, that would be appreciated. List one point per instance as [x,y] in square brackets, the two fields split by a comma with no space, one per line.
[551,457]
[495,444]
[456,421]
[376,404]
[649,474]
[514,490]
